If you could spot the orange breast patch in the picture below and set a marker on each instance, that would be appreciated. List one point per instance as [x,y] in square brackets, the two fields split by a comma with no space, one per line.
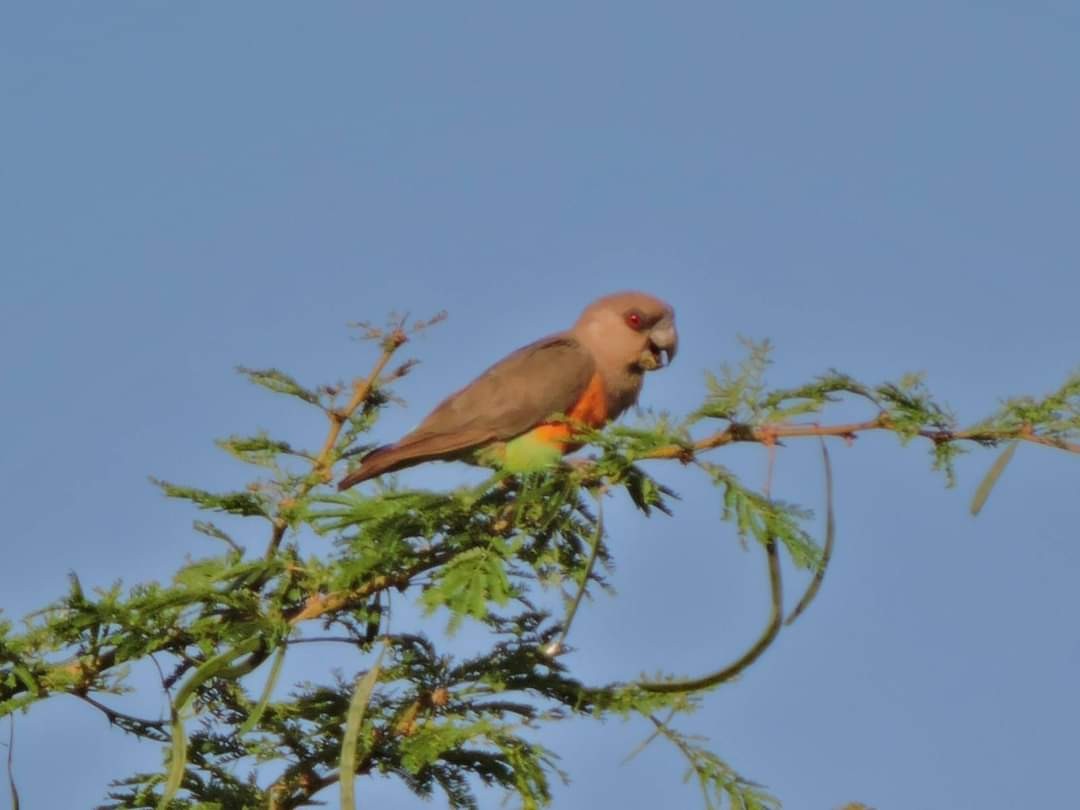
[590,409]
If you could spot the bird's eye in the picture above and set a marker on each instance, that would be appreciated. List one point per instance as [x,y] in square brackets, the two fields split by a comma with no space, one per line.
[633,320]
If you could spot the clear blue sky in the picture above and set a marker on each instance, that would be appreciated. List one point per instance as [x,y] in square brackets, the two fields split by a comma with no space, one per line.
[877,187]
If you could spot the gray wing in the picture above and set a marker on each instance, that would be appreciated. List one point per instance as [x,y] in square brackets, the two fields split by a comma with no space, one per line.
[517,393]
[510,398]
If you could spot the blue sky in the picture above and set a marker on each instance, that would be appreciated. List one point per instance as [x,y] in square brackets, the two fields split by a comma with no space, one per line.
[878,188]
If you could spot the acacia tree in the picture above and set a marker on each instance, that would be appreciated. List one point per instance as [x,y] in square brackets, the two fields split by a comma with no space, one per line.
[515,553]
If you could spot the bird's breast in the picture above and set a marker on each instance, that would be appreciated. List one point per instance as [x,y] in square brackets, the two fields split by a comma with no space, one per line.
[591,409]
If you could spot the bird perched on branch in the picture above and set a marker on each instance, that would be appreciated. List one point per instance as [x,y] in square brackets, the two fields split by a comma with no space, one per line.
[590,374]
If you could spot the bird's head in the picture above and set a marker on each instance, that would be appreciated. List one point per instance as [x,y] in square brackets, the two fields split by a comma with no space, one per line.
[630,328]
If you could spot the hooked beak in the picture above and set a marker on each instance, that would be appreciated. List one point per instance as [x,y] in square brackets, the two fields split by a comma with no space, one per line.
[663,340]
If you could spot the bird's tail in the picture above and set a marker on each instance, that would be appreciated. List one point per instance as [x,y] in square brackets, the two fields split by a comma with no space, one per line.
[378,461]
[415,449]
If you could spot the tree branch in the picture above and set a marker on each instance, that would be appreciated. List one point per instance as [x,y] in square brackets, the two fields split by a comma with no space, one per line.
[741,432]
[321,469]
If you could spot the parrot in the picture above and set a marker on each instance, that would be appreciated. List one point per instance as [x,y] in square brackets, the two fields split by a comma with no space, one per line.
[506,417]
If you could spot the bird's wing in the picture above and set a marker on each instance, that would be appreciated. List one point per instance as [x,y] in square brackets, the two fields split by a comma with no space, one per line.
[510,398]
[516,394]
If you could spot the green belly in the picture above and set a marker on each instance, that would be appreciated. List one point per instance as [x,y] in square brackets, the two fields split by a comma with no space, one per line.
[526,453]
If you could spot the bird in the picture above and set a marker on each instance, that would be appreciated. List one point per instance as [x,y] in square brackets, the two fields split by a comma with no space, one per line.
[510,416]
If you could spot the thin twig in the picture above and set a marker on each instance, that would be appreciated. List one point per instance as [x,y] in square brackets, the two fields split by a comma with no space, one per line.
[648,740]
[598,536]
[322,466]
[114,716]
[740,432]
[827,549]
[320,639]
[777,606]
[685,750]
[11,766]
[319,604]
[751,655]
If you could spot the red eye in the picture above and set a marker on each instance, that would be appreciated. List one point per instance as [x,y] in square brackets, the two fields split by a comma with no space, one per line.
[633,320]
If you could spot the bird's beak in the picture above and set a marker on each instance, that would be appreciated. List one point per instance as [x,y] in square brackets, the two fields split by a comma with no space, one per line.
[663,339]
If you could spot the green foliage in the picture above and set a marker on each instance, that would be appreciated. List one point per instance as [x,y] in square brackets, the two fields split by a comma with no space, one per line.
[765,519]
[471,581]
[245,504]
[1056,415]
[259,449]
[280,383]
[738,394]
[494,554]
[720,785]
